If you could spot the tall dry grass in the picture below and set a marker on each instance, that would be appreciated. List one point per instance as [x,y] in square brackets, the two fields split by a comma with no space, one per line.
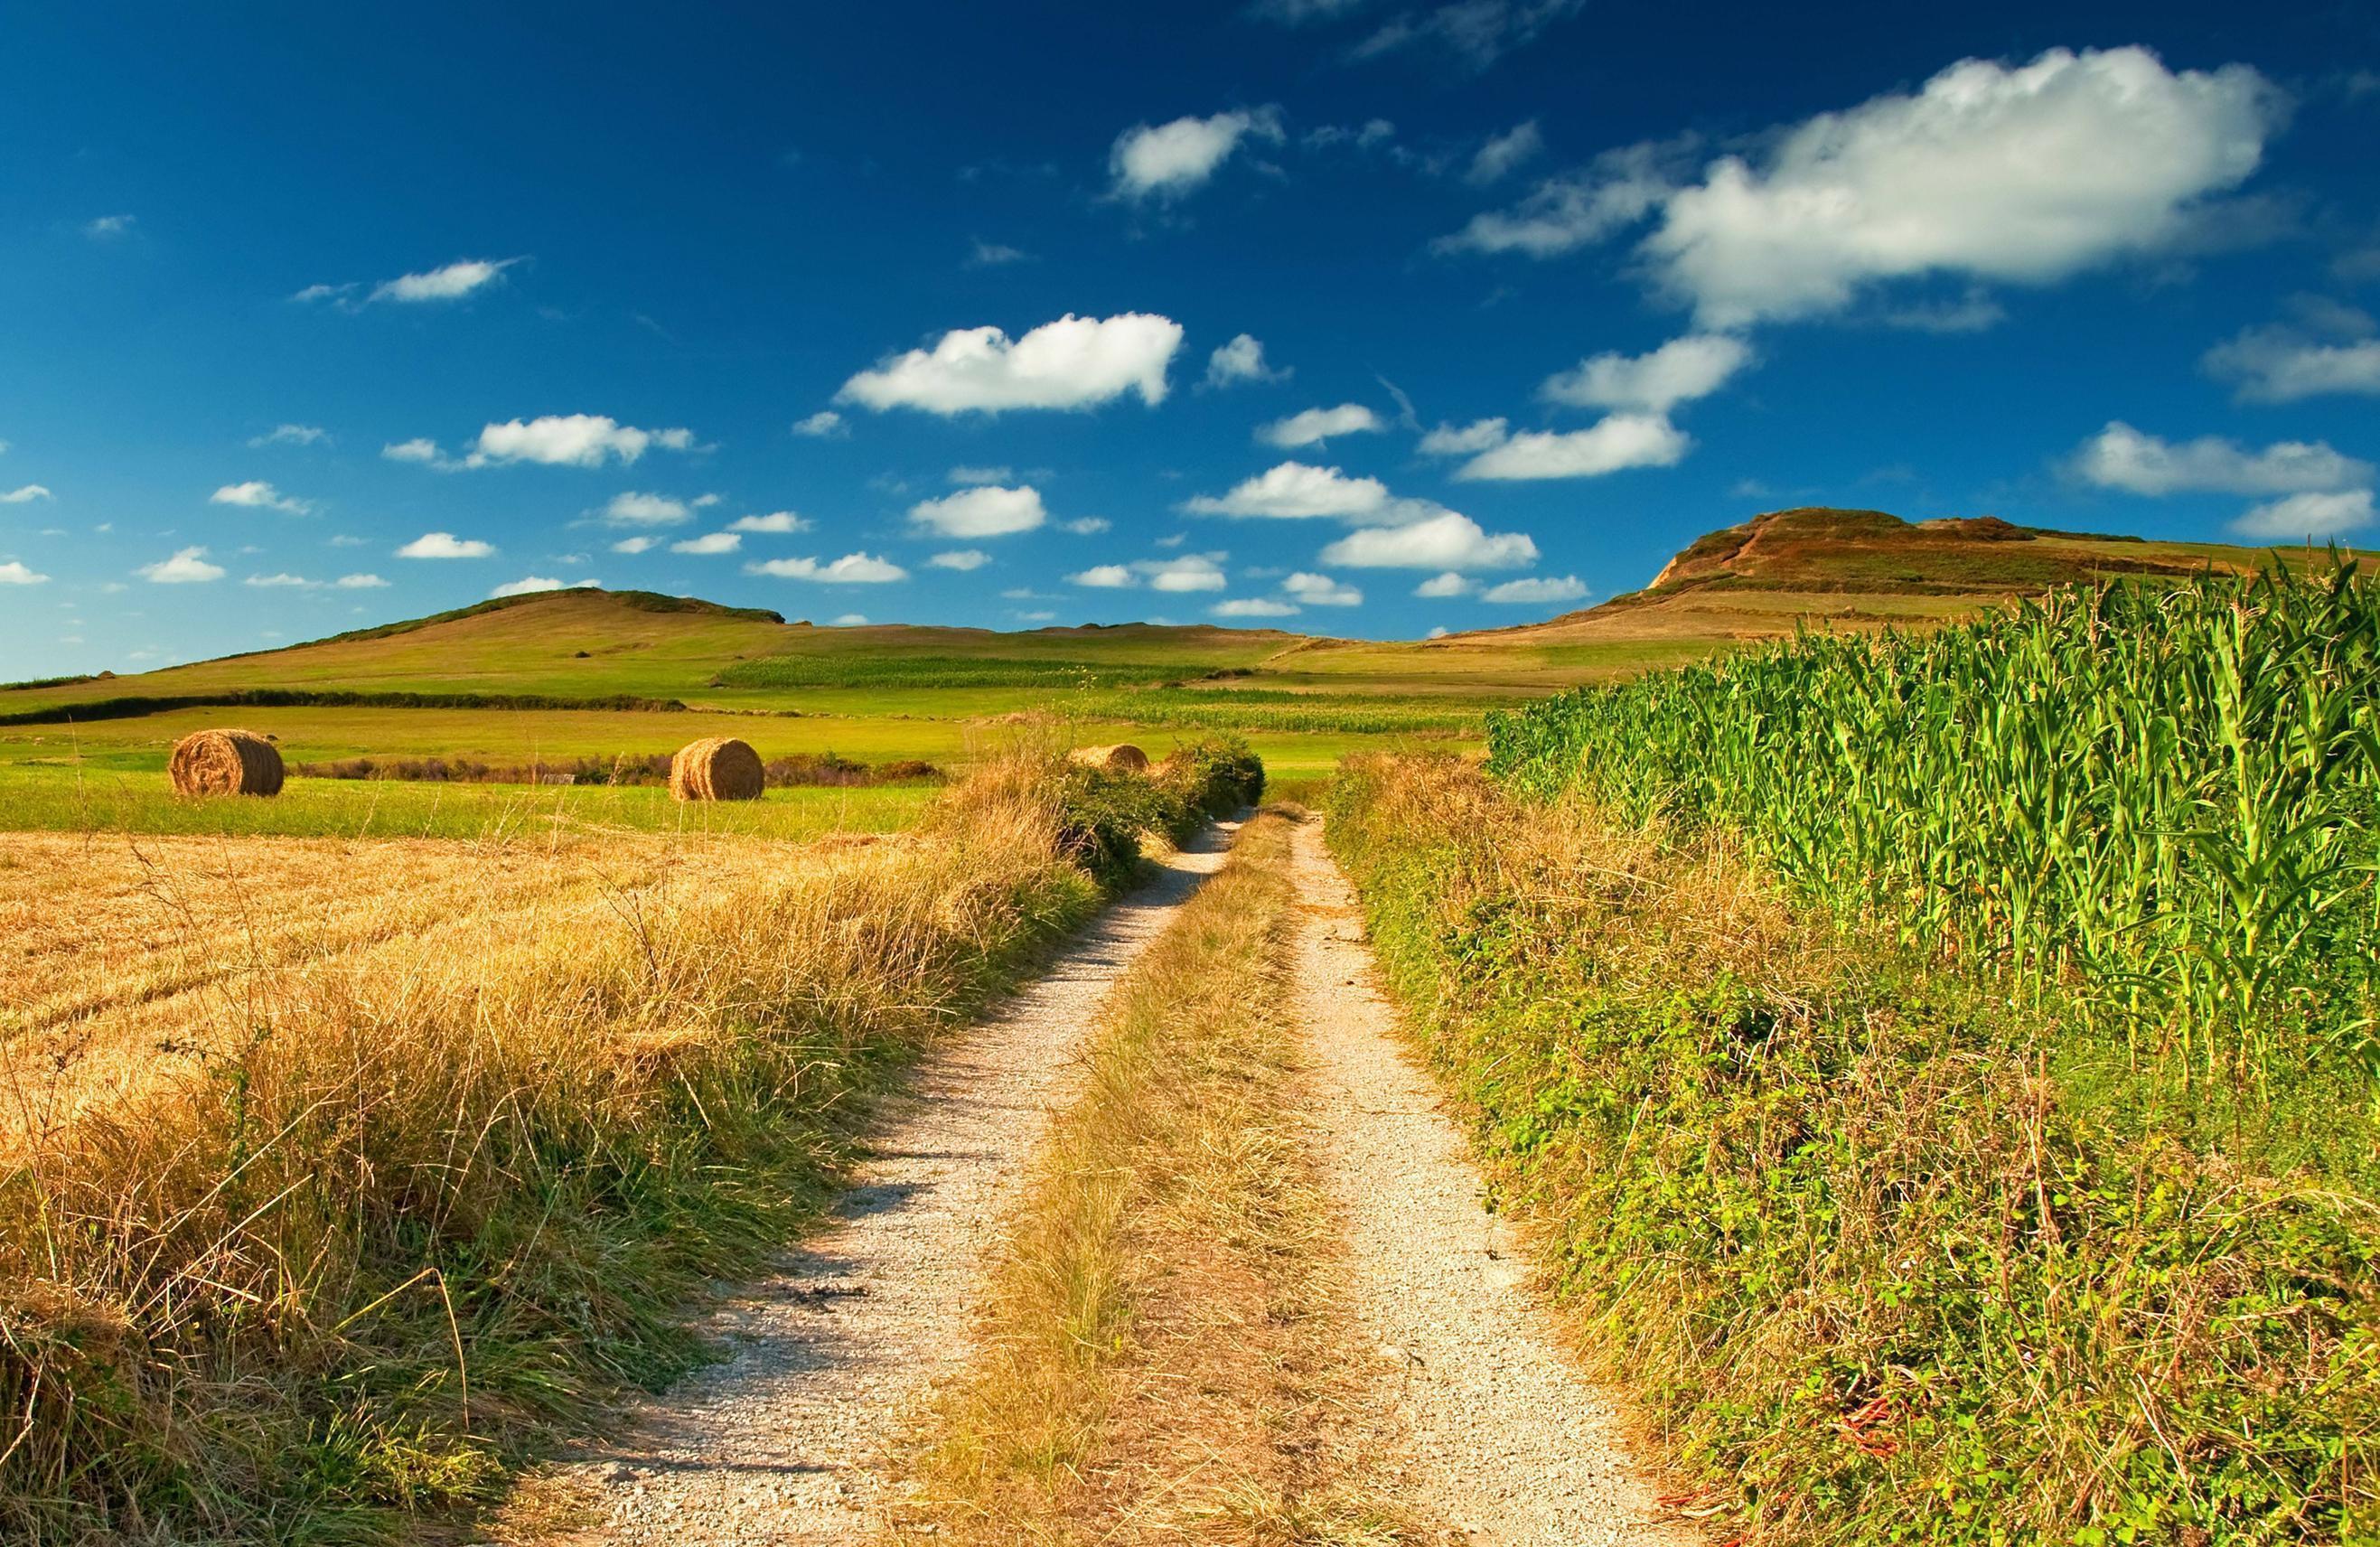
[409,1207]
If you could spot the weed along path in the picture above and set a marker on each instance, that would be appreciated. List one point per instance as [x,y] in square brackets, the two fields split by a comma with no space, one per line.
[783,1442]
[1501,1436]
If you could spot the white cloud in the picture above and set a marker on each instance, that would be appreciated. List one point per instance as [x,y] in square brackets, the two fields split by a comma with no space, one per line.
[109,228]
[1169,160]
[1474,32]
[360,582]
[989,511]
[284,581]
[529,585]
[961,559]
[451,283]
[1464,440]
[636,544]
[1446,584]
[1536,589]
[184,567]
[992,255]
[775,521]
[25,495]
[1190,572]
[257,495]
[2024,174]
[1450,541]
[1296,491]
[1678,371]
[2282,365]
[1321,591]
[1316,424]
[709,542]
[1105,576]
[571,441]
[420,449]
[822,425]
[444,545]
[1075,362]
[850,569]
[339,293]
[980,475]
[2122,457]
[291,435]
[1520,143]
[13,573]
[1253,607]
[848,620]
[1085,526]
[2308,515]
[1614,443]
[1242,360]
[629,508]
[1562,214]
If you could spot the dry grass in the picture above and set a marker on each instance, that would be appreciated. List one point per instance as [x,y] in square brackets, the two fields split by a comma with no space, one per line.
[447,1138]
[1160,1358]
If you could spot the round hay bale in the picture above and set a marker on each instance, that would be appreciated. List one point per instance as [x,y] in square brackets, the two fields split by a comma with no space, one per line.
[1122,758]
[224,762]
[716,768]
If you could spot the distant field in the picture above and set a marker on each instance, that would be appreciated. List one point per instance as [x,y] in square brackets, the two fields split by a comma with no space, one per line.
[65,800]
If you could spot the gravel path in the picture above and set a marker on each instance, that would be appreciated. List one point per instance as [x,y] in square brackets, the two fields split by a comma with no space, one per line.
[777,1445]
[1502,1437]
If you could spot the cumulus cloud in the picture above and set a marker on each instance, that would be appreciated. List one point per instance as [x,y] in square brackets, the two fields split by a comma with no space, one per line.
[14,573]
[291,435]
[2284,364]
[1105,576]
[1521,143]
[636,544]
[989,511]
[452,282]
[1464,440]
[1448,542]
[1448,583]
[1296,491]
[2122,457]
[1075,362]
[1085,526]
[1169,160]
[1242,360]
[2020,173]
[825,424]
[420,449]
[528,585]
[1191,572]
[630,509]
[360,582]
[258,496]
[777,522]
[1611,444]
[283,580]
[850,569]
[1678,371]
[1536,589]
[709,542]
[961,559]
[571,441]
[444,545]
[186,567]
[2308,515]
[26,495]
[1321,591]
[1318,424]
[1253,607]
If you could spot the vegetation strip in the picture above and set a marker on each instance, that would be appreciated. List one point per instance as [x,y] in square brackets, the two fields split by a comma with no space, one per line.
[1895,1259]
[140,706]
[416,1215]
[1159,1352]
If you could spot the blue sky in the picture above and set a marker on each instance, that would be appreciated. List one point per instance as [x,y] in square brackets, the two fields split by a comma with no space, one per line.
[1353,316]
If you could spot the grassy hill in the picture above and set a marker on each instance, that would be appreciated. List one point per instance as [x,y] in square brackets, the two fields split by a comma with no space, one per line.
[593,674]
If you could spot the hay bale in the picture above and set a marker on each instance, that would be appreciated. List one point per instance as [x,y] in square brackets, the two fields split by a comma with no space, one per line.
[1122,758]
[716,768]
[224,762]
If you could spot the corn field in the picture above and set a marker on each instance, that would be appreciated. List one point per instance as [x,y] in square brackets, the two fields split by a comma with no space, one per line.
[2162,799]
